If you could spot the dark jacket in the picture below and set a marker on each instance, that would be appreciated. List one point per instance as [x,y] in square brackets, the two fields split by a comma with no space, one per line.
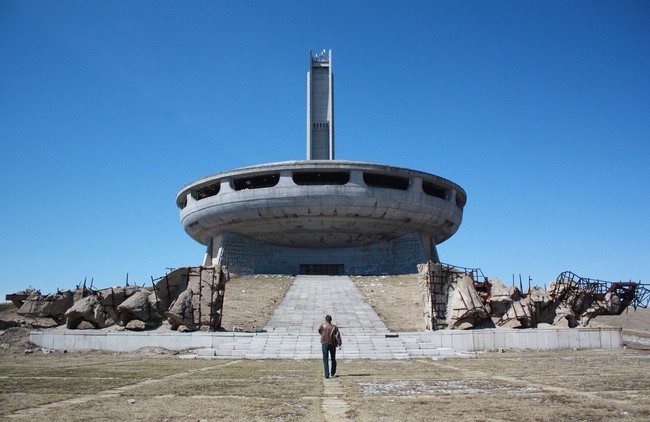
[329,334]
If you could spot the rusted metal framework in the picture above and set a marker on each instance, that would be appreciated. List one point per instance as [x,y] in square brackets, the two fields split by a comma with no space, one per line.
[17,299]
[574,298]
[441,275]
[476,274]
[569,287]
[212,285]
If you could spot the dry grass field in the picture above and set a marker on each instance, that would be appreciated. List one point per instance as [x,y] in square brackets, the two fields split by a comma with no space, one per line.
[155,385]
[568,385]
[250,300]
[396,299]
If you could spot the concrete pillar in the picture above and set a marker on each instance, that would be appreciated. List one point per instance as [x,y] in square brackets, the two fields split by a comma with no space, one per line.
[207,258]
[429,247]
[356,178]
[286,178]
[416,185]
[434,252]
[213,252]
[225,186]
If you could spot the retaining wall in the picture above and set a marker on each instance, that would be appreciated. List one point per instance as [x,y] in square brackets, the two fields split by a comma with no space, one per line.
[414,342]
[520,339]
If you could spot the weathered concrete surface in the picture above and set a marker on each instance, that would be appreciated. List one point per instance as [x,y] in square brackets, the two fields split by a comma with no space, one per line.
[199,306]
[396,256]
[50,306]
[169,287]
[357,212]
[89,309]
[139,307]
[464,307]
[430,344]
[98,308]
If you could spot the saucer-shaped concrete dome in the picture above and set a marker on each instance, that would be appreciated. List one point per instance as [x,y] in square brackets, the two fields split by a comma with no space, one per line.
[321,204]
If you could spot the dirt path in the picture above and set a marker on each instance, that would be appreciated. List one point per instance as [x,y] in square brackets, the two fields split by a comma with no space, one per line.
[335,408]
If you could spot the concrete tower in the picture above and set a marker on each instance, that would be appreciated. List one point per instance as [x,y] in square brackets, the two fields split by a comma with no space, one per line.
[320,107]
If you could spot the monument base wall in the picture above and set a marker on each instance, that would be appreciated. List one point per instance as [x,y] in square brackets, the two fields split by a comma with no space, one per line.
[307,346]
[243,255]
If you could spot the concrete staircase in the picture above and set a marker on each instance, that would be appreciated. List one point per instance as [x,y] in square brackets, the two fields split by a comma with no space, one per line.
[292,330]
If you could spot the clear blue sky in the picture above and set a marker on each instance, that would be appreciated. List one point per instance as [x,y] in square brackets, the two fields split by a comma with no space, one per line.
[540,110]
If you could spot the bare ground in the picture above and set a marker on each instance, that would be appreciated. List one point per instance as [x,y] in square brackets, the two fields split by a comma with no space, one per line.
[249,301]
[396,299]
[633,321]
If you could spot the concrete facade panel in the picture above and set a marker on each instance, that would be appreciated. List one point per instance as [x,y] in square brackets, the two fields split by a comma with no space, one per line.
[58,342]
[564,342]
[552,339]
[243,255]
[531,340]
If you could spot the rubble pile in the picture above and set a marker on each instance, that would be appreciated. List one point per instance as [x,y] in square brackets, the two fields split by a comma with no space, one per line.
[190,298]
[99,308]
[456,298]
[49,306]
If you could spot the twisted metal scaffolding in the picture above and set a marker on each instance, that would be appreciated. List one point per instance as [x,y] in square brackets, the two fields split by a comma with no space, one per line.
[568,287]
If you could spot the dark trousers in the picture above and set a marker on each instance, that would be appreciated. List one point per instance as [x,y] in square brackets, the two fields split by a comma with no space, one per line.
[327,348]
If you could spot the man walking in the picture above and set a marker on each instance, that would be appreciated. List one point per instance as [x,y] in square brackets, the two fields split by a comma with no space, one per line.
[330,339]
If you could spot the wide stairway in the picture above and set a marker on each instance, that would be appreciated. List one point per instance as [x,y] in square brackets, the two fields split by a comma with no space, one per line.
[292,331]
[293,327]
[311,297]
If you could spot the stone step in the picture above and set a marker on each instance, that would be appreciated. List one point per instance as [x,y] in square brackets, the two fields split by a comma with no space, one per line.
[309,348]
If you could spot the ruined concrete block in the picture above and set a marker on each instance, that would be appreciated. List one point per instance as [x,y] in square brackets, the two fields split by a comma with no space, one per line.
[464,306]
[51,306]
[88,309]
[138,307]
[200,305]
[136,325]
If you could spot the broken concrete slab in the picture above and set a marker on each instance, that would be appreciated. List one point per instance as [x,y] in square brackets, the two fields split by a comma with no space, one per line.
[49,306]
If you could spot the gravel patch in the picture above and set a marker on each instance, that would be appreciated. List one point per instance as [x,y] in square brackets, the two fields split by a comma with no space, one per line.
[414,388]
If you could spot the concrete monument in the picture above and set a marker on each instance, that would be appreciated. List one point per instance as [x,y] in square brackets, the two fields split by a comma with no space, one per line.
[321,215]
